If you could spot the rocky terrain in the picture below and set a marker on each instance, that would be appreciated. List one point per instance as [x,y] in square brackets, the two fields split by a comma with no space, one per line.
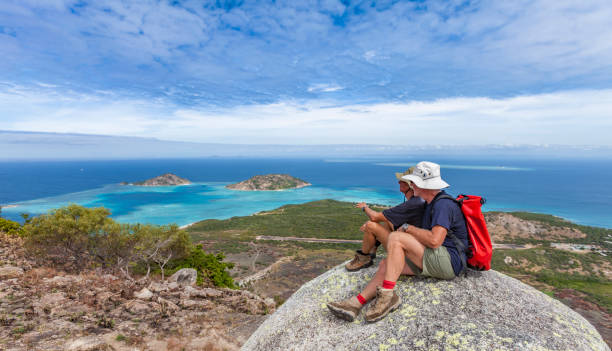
[50,309]
[504,227]
[480,311]
[269,182]
[162,180]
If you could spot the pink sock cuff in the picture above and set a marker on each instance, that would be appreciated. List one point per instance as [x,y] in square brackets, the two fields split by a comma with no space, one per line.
[388,284]
[361,299]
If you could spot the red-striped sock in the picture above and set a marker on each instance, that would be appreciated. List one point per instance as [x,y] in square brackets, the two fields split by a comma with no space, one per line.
[361,299]
[388,284]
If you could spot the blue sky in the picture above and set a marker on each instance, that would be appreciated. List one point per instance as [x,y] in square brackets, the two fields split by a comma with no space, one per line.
[310,72]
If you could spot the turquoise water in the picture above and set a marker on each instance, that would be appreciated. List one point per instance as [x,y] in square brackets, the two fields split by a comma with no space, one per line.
[577,190]
[190,203]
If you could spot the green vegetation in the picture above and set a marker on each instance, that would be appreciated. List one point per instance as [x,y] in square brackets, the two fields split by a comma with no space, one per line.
[10,227]
[317,219]
[210,267]
[559,270]
[88,237]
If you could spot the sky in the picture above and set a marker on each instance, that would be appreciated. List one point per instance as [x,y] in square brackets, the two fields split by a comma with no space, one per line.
[310,72]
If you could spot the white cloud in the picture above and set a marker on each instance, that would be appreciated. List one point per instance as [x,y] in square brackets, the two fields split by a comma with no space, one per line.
[324,88]
[570,118]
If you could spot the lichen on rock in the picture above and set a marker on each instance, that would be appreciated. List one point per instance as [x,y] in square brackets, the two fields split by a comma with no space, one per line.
[480,311]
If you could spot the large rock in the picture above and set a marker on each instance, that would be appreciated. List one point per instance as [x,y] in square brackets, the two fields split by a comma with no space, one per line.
[10,272]
[184,277]
[483,311]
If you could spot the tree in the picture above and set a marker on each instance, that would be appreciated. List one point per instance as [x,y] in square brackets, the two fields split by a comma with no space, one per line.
[159,244]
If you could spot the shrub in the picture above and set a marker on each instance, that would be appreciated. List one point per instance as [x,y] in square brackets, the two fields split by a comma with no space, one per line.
[10,227]
[209,266]
[67,232]
[88,235]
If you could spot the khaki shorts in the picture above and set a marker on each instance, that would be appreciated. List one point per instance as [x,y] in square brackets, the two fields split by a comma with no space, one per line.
[436,263]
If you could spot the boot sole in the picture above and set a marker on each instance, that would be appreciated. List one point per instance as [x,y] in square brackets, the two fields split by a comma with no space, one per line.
[342,314]
[393,308]
[362,267]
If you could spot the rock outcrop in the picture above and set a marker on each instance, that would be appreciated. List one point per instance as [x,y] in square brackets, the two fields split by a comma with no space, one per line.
[269,182]
[42,308]
[483,311]
[163,180]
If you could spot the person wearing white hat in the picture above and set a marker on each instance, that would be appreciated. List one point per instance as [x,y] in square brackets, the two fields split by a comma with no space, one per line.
[426,251]
[375,233]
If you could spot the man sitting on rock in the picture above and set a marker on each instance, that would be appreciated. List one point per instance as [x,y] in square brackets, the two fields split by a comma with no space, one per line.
[426,251]
[375,233]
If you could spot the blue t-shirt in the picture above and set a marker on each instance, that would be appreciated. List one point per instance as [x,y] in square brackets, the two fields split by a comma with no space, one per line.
[446,213]
[410,211]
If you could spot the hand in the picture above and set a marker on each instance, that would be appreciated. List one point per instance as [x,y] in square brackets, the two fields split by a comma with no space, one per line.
[361,205]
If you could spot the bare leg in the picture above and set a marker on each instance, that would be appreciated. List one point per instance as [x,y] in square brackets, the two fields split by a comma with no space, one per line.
[369,292]
[399,246]
[373,231]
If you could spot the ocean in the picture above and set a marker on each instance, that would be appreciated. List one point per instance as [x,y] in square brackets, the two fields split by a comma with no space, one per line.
[577,190]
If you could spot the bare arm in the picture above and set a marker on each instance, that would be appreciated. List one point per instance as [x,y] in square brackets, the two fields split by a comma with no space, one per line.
[373,215]
[430,238]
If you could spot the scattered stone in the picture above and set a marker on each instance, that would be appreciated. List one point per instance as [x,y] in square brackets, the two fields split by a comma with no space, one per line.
[10,272]
[185,277]
[88,343]
[144,294]
[508,260]
[157,287]
[136,307]
[59,281]
[167,305]
[199,305]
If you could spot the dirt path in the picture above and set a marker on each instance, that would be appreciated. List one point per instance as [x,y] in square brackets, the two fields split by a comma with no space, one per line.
[251,278]
[343,241]
[307,240]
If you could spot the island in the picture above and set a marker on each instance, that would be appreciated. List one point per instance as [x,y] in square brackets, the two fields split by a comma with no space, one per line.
[162,180]
[269,182]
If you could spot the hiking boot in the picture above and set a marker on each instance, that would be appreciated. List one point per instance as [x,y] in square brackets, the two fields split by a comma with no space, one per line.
[386,301]
[346,309]
[360,261]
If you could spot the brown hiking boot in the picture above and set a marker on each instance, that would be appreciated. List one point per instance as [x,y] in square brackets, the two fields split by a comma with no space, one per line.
[346,309]
[386,301]
[360,261]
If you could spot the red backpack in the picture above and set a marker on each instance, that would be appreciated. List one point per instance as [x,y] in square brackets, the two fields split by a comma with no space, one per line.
[479,250]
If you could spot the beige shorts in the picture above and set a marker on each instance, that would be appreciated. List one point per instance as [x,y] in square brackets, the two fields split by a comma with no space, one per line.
[436,263]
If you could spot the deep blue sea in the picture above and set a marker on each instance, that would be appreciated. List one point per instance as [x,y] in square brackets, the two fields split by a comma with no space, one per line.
[577,190]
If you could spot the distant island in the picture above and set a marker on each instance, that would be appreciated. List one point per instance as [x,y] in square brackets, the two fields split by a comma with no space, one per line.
[162,180]
[269,182]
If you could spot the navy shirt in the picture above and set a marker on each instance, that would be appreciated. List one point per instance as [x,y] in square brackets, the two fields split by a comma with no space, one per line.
[446,213]
[410,211]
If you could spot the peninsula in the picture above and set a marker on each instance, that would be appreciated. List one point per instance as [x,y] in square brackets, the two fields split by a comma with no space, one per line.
[269,182]
[162,180]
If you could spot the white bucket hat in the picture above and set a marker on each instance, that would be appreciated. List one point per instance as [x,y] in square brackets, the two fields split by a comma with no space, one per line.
[400,175]
[426,175]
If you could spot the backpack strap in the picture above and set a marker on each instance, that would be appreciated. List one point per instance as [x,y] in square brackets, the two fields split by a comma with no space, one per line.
[461,248]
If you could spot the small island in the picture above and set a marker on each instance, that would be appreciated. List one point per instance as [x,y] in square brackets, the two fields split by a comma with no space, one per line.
[163,180]
[269,182]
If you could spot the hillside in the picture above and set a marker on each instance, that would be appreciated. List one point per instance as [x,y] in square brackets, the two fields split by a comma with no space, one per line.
[269,182]
[43,308]
[162,180]
[542,251]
